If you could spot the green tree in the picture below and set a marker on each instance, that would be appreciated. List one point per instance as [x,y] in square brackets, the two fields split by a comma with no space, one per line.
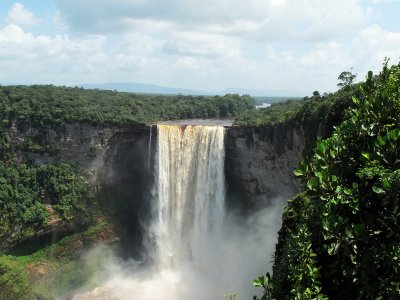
[316,95]
[346,79]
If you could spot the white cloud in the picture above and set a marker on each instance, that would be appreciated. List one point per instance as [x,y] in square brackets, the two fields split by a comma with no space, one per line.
[19,15]
[202,44]
[40,58]
[271,46]
[266,19]
[374,44]
[188,59]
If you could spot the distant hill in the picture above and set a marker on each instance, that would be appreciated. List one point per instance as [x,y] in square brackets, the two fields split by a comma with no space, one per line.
[147,88]
[158,89]
[143,88]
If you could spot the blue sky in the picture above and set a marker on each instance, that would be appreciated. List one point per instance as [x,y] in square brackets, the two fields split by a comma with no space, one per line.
[296,45]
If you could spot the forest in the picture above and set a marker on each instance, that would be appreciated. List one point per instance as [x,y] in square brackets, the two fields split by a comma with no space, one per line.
[47,105]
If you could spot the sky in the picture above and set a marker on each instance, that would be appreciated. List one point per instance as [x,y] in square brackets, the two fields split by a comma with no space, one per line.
[297,46]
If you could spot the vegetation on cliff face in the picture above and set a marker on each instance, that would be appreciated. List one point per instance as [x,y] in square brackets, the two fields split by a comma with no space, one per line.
[340,238]
[33,196]
[52,106]
[34,201]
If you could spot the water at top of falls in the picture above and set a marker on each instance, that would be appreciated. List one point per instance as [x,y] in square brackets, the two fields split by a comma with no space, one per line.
[190,193]
[199,122]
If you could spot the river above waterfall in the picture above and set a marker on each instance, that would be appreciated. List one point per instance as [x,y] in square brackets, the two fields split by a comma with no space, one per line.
[204,122]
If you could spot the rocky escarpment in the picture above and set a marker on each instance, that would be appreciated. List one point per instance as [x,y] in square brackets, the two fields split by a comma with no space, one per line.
[260,161]
[86,145]
[109,158]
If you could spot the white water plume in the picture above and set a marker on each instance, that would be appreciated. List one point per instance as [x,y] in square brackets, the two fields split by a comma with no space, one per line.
[190,193]
[197,250]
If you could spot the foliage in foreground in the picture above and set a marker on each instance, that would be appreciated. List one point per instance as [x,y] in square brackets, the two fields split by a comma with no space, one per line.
[340,238]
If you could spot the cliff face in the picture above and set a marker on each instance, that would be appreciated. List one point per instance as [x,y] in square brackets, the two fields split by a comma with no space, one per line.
[111,159]
[260,162]
[89,146]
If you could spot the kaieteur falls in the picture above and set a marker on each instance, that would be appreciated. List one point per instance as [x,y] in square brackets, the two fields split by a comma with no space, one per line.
[190,194]
[194,247]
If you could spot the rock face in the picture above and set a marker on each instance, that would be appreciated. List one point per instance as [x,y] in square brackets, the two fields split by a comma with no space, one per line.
[259,164]
[89,146]
[111,159]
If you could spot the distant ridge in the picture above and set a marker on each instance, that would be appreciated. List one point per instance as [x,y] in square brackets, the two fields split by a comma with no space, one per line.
[147,88]
[136,87]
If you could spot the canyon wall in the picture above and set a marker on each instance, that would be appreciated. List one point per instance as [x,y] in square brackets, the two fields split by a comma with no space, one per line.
[260,162]
[258,166]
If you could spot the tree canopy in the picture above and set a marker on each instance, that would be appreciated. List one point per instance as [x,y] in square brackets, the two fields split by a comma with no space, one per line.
[49,105]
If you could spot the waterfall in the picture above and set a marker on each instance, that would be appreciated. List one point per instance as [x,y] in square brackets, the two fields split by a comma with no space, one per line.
[190,194]
[196,250]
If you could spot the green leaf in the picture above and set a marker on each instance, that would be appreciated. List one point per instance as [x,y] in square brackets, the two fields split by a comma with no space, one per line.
[259,282]
[386,183]
[381,140]
[322,147]
[366,155]
[353,259]
[348,232]
[312,184]
[355,100]
[298,172]
[325,224]
[378,190]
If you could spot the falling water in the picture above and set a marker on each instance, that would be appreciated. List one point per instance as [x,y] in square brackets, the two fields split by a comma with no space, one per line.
[149,146]
[197,250]
[190,192]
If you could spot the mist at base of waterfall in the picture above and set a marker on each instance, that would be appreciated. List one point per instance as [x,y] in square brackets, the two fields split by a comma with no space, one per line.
[242,252]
